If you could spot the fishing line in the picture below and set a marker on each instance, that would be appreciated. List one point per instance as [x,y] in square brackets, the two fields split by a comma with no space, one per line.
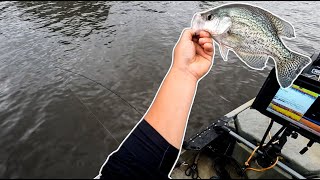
[93,115]
[102,86]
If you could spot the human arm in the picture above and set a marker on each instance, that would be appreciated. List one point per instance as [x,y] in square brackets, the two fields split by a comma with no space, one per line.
[169,112]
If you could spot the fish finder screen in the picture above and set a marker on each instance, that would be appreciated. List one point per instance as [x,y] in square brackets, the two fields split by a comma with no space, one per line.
[298,105]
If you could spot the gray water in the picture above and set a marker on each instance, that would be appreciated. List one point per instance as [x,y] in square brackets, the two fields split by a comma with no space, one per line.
[56,122]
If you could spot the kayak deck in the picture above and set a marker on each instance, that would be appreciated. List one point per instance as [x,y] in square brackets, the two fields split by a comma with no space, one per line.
[251,125]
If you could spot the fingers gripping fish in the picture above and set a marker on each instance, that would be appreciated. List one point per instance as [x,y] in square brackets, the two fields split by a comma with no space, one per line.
[254,35]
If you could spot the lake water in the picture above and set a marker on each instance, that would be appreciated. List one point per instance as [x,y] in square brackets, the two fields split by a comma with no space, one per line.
[75,77]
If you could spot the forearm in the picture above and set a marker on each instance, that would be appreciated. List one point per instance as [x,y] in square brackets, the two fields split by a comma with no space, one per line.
[169,111]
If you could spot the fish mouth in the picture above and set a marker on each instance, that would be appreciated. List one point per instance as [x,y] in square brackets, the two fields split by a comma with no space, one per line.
[197,23]
[196,27]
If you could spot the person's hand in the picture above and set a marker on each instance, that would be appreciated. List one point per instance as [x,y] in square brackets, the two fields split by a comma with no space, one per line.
[194,54]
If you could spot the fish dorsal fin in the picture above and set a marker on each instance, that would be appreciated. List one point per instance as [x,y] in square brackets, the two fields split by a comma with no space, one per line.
[284,28]
[254,61]
[224,52]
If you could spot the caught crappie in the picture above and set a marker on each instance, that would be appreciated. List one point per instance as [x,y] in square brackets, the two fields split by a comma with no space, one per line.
[254,35]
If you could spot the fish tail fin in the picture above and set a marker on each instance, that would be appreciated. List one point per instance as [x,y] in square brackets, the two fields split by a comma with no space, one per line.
[288,69]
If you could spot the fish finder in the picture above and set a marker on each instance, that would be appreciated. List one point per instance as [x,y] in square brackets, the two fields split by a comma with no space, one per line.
[296,107]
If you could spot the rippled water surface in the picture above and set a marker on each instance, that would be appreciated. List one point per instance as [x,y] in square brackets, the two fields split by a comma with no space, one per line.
[75,77]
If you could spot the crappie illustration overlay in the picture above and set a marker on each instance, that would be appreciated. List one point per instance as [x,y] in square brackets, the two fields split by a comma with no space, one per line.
[254,35]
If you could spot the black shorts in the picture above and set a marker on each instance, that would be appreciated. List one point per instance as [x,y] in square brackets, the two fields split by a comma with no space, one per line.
[144,154]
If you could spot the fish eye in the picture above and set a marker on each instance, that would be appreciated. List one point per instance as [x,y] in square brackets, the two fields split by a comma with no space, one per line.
[209,17]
